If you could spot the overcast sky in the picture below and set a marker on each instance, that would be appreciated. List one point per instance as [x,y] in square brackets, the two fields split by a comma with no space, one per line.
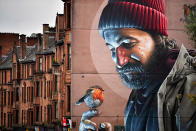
[27,16]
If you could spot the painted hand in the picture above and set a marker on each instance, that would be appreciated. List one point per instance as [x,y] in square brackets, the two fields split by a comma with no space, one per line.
[86,124]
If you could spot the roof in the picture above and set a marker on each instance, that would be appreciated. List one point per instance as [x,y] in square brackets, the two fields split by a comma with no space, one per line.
[30,54]
[6,61]
[51,47]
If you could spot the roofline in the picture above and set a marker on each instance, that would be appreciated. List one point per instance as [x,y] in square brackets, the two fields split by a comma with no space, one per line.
[27,61]
[4,68]
[45,53]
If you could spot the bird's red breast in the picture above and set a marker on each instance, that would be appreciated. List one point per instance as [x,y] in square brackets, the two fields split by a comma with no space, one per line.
[98,94]
[186,10]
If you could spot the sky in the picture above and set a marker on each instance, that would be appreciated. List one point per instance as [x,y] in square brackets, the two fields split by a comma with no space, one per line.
[28,16]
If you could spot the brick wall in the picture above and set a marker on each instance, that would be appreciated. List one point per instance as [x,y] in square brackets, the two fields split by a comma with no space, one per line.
[7,41]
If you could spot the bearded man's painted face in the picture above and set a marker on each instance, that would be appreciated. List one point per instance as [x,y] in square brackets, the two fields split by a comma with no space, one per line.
[131,50]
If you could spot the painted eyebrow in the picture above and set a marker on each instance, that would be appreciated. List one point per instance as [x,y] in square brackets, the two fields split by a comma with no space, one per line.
[121,39]
[107,43]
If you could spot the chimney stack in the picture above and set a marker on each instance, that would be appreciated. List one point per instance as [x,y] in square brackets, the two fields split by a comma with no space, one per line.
[0,54]
[22,46]
[45,35]
[39,43]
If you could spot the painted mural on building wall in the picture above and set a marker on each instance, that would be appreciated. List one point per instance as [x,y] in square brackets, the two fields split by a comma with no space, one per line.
[160,73]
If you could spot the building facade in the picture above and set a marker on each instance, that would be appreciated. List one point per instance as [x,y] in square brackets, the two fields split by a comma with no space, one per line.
[35,84]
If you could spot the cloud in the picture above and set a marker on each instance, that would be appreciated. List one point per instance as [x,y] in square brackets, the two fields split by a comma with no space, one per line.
[27,16]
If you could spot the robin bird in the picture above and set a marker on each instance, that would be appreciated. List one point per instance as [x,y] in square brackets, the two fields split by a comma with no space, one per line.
[93,97]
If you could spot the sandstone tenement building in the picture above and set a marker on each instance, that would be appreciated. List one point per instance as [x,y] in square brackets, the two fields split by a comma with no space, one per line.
[35,81]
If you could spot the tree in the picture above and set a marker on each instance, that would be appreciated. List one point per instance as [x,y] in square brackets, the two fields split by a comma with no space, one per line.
[190,21]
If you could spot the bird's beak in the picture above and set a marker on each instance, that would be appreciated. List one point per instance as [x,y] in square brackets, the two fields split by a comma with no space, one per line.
[102,89]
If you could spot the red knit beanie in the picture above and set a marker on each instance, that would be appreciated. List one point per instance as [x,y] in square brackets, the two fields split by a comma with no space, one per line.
[147,15]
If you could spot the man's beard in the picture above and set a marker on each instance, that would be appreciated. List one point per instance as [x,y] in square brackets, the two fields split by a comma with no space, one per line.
[132,75]
[136,75]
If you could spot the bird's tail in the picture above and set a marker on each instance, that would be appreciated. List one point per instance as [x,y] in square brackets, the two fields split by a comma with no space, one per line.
[80,101]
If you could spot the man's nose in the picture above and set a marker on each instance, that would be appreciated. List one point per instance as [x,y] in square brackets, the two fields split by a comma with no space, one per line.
[122,56]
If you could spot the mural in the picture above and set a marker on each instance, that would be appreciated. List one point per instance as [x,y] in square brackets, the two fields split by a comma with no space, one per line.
[159,73]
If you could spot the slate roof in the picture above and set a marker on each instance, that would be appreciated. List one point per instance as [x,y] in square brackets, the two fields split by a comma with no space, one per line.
[30,54]
[6,61]
[51,47]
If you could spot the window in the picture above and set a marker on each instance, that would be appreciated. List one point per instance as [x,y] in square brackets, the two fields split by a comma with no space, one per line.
[69,56]
[8,97]
[2,80]
[10,78]
[1,98]
[32,69]
[31,94]
[38,88]
[28,94]
[56,83]
[22,94]
[56,54]
[56,110]
[62,107]
[1,117]
[22,117]
[28,70]
[17,94]
[31,118]
[41,88]
[37,113]
[59,56]
[23,71]
[17,116]
[44,89]
[40,64]
[41,113]
[25,94]
[12,95]
[50,87]
[5,77]
[49,112]
[45,113]
[48,63]
[5,98]
[14,71]
[9,120]
[4,118]
[69,98]
[45,64]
